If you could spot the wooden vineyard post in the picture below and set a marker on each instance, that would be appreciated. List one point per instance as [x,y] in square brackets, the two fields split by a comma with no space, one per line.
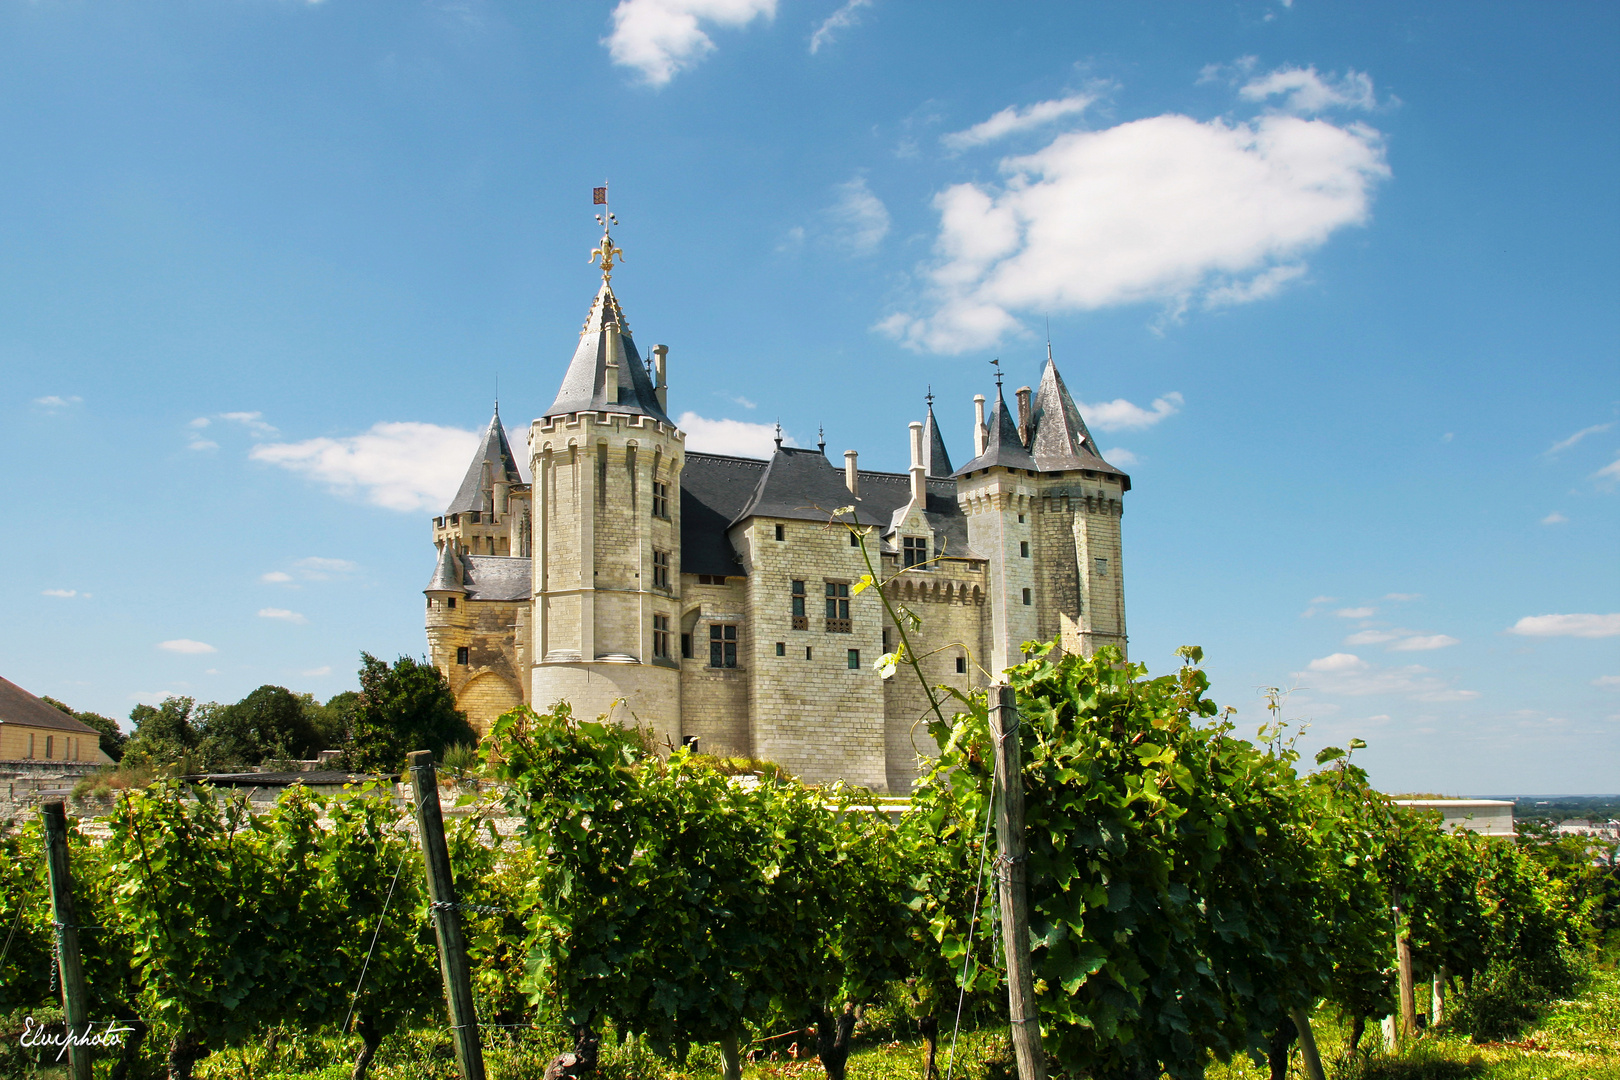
[446,918]
[54,816]
[1403,964]
[1013,880]
[1437,998]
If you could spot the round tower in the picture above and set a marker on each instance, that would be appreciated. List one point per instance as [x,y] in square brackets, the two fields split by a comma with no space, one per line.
[606,463]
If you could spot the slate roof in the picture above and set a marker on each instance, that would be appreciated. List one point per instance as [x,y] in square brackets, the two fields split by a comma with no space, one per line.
[496,452]
[714,489]
[800,485]
[885,493]
[1005,448]
[497,577]
[18,706]
[1059,439]
[584,385]
[936,461]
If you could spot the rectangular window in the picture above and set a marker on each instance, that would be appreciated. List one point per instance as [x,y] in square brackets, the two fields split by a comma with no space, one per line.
[854,659]
[838,607]
[961,665]
[801,619]
[723,645]
[1027,599]
[854,540]
[686,646]
[1102,567]
[660,507]
[781,648]
[809,653]
[451,601]
[886,639]
[915,549]
[660,569]
[50,747]
[1020,519]
[463,655]
[1023,548]
[661,636]
[781,532]
[30,746]
[711,579]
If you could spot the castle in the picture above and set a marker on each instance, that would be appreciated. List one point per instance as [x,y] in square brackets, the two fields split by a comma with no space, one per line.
[710,596]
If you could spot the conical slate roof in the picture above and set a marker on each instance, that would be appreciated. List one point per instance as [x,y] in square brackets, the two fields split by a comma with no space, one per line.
[1005,448]
[492,462]
[447,574]
[606,337]
[936,462]
[1058,437]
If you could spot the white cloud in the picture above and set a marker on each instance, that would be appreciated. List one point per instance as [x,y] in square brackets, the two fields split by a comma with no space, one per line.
[276,577]
[1403,597]
[1372,637]
[1587,626]
[64,593]
[186,645]
[737,437]
[402,466]
[842,19]
[859,219]
[1324,599]
[1610,473]
[1012,119]
[202,444]
[1423,643]
[1554,518]
[315,567]
[56,402]
[1166,210]
[659,38]
[281,613]
[740,400]
[1120,456]
[1339,661]
[1121,415]
[1607,682]
[253,421]
[1565,444]
[317,672]
[1356,612]
[1304,92]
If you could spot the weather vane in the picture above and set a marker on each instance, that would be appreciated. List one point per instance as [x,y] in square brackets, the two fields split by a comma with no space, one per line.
[606,252]
[996,363]
[929,397]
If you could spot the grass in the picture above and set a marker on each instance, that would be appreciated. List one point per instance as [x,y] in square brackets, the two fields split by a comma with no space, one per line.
[1575,1039]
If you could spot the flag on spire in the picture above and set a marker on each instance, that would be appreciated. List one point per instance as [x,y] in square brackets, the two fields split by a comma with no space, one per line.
[599,196]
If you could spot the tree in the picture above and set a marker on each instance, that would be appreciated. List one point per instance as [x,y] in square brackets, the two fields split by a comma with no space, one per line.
[112,738]
[270,723]
[402,708]
[164,733]
[333,721]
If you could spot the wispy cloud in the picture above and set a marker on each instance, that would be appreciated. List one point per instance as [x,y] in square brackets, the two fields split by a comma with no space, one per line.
[1423,643]
[1349,675]
[1302,91]
[1609,474]
[61,593]
[403,466]
[315,673]
[1122,415]
[276,577]
[1564,444]
[186,646]
[1120,456]
[1011,120]
[736,437]
[253,421]
[1607,682]
[660,38]
[858,218]
[57,402]
[1338,661]
[1403,597]
[1356,612]
[1584,626]
[282,614]
[1554,518]
[1373,637]
[842,19]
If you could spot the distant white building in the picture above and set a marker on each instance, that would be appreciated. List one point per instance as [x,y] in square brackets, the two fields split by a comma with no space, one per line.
[1487,817]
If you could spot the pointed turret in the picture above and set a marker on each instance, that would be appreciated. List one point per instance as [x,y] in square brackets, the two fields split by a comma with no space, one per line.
[447,574]
[607,373]
[492,464]
[1059,439]
[936,461]
[1005,448]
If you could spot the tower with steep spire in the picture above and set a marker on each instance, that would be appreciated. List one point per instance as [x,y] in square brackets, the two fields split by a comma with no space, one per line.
[704,595]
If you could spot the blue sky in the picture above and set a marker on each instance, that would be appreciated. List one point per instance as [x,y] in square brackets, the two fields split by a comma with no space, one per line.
[1337,284]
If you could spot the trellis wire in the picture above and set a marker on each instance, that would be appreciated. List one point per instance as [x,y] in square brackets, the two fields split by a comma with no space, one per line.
[973,921]
[355,997]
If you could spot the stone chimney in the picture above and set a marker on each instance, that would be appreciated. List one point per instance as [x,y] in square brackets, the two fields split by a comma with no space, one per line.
[1023,415]
[981,433]
[661,374]
[919,482]
[852,477]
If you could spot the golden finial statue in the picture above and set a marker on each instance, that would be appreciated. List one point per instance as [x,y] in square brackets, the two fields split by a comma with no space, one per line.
[606,251]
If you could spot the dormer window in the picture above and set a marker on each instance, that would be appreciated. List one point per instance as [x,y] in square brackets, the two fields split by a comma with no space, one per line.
[915,550]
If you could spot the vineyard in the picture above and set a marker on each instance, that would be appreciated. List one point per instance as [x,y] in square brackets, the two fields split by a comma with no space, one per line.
[1193,898]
